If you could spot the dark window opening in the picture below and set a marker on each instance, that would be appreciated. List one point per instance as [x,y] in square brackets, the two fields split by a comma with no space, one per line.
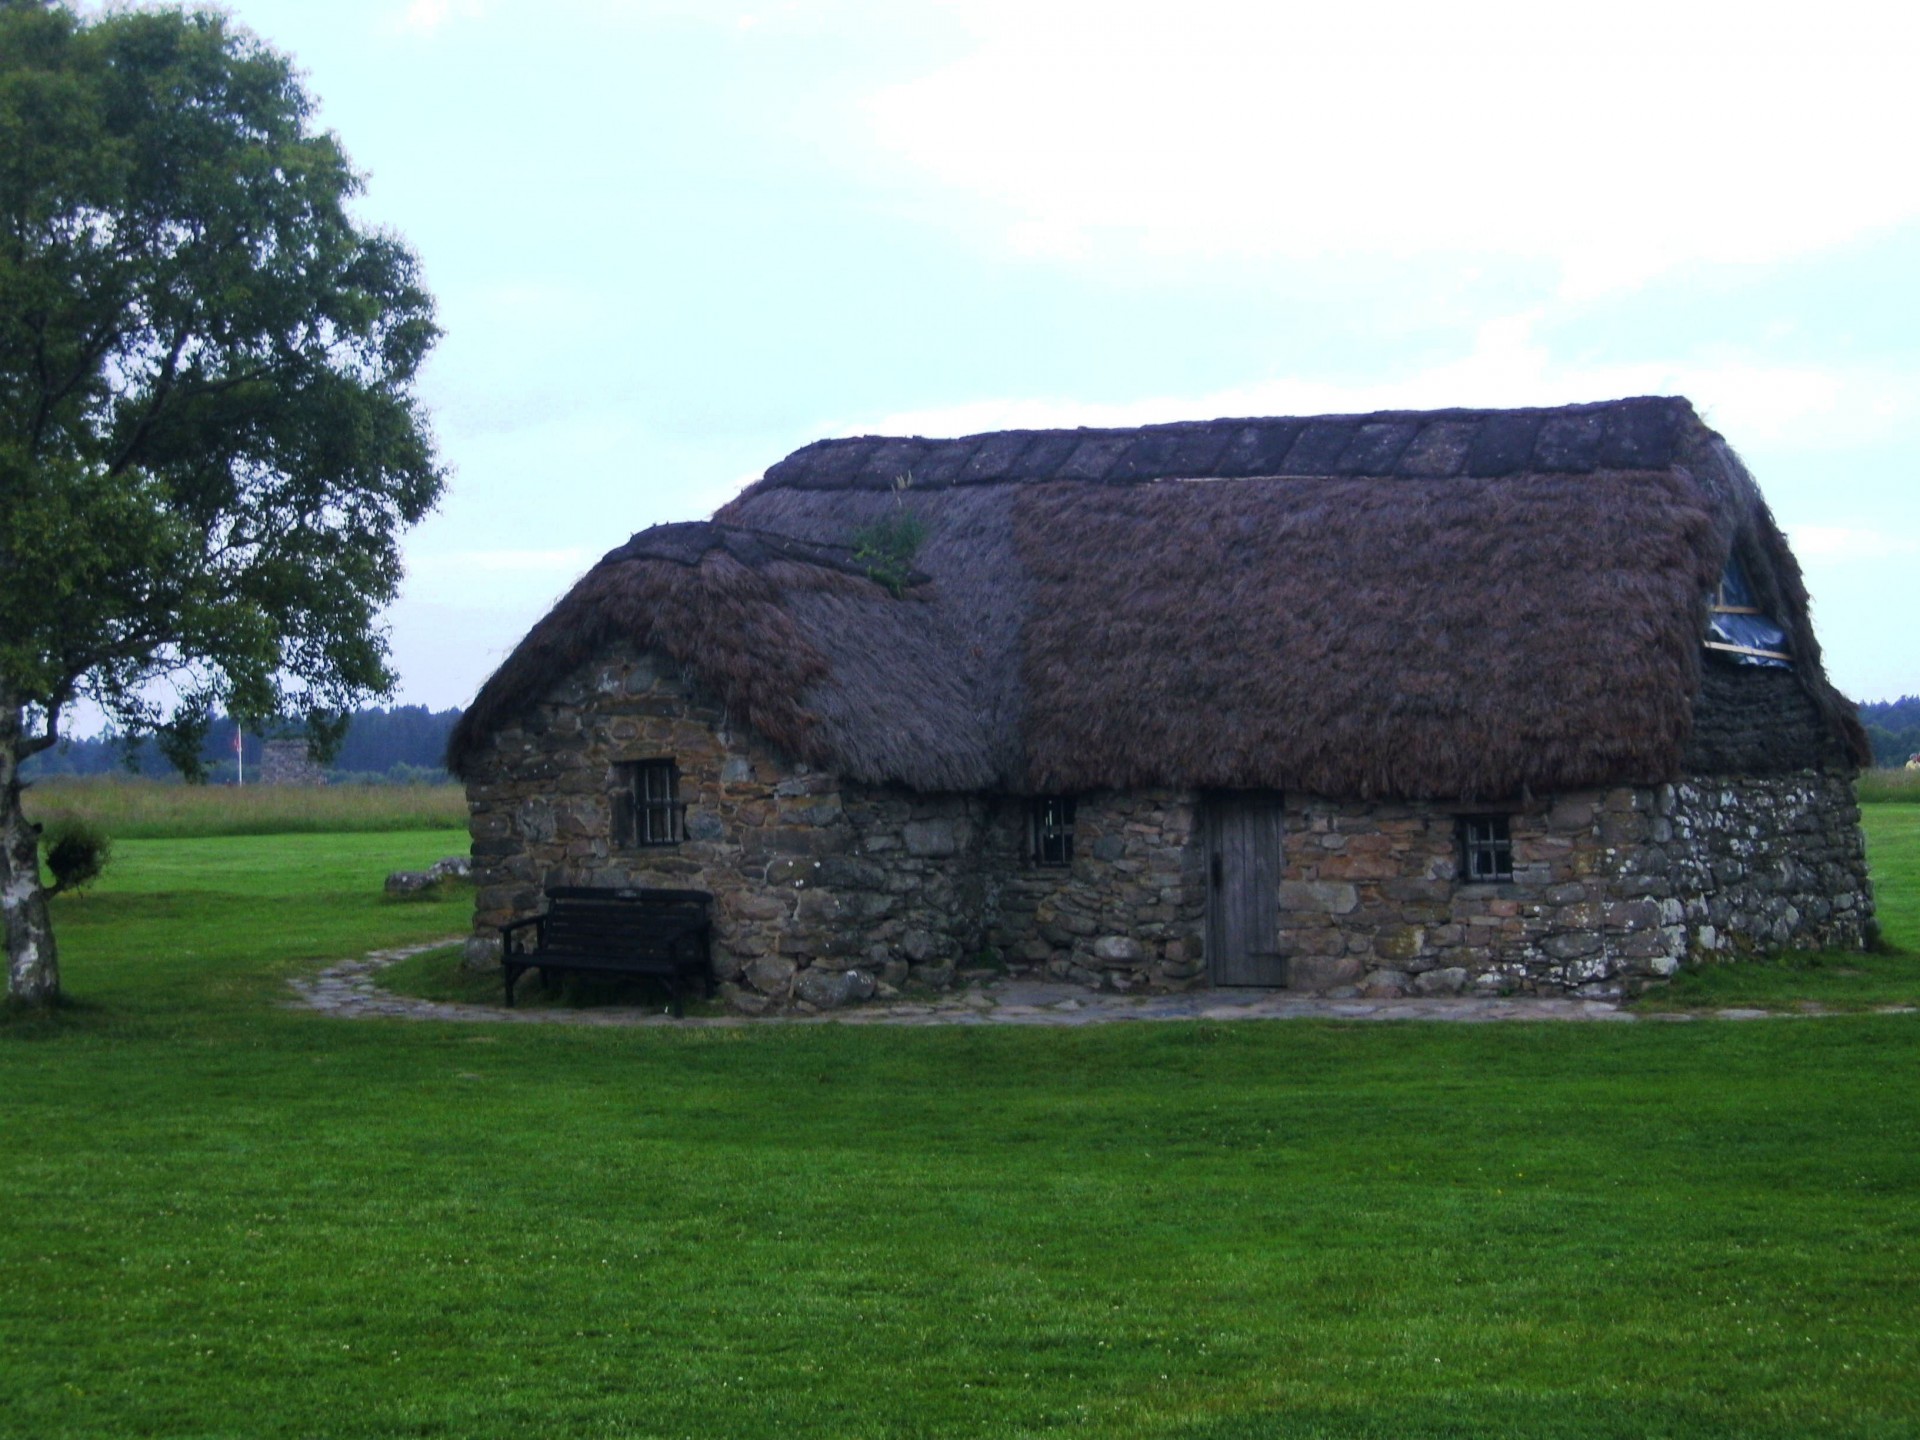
[647,809]
[1738,626]
[1051,820]
[1486,846]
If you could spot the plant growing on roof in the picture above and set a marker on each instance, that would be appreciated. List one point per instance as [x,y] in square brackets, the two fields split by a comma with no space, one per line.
[889,545]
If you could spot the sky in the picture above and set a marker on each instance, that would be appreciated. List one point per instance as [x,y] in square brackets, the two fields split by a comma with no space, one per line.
[673,241]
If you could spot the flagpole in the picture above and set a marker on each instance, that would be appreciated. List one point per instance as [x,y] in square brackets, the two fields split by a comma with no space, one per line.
[239,758]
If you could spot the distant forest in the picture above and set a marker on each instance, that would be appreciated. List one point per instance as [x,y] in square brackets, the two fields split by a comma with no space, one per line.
[1894,728]
[405,744]
[409,743]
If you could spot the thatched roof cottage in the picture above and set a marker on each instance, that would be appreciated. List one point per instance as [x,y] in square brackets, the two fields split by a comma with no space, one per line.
[1521,700]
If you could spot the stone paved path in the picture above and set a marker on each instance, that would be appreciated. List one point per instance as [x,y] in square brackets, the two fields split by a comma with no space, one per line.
[347,989]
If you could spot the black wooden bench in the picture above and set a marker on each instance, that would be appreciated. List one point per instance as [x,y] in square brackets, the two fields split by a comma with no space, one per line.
[664,935]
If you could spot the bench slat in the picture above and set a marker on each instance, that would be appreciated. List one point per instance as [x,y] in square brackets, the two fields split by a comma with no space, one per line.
[663,934]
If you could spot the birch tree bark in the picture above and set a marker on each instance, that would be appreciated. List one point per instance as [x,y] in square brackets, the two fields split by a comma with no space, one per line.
[33,967]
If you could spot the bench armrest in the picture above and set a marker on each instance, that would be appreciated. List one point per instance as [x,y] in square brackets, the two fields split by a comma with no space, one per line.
[508,930]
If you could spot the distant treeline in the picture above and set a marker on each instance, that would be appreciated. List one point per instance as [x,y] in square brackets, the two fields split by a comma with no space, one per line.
[1894,728]
[405,744]
[408,743]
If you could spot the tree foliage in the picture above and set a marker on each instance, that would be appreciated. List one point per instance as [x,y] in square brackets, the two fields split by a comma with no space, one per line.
[408,741]
[77,852]
[1894,728]
[209,437]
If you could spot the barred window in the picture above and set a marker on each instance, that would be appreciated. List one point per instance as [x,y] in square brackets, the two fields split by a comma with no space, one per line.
[647,809]
[1486,845]
[1051,822]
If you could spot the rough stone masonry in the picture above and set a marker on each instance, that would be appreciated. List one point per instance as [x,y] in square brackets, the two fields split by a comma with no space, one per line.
[828,892]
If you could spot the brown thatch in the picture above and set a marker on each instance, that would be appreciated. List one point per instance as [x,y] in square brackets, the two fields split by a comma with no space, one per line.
[1457,604]
[746,613]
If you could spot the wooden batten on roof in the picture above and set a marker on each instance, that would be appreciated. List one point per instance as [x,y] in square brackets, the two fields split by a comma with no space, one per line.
[1448,604]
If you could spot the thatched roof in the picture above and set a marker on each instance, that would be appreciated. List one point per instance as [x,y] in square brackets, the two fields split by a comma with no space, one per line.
[1448,604]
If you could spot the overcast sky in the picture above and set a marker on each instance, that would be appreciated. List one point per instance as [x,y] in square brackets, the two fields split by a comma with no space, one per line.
[673,240]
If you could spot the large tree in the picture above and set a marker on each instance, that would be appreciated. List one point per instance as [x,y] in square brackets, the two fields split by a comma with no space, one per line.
[209,436]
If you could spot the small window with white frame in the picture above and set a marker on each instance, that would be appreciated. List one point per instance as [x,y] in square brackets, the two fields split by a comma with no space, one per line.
[647,809]
[1050,823]
[1486,849]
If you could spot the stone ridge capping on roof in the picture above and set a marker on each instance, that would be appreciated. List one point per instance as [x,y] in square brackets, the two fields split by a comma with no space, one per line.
[1636,434]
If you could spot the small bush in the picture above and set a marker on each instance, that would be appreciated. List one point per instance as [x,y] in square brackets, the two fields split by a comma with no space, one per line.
[76,851]
[887,548]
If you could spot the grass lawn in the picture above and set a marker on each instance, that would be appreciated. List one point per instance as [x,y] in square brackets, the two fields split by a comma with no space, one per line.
[229,1219]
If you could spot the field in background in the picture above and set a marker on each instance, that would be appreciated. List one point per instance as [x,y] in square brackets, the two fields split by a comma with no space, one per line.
[130,808]
[227,1218]
[1890,787]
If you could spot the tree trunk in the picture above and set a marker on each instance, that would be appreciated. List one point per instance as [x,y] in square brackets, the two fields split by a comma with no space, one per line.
[33,971]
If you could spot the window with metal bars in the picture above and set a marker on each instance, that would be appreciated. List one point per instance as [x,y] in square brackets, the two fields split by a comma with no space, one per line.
[1050,821]
[1486,848]
[647,809]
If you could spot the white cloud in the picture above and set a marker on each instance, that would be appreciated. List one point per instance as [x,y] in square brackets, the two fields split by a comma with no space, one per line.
[1619,142]
[770,16]
[429,17]
[1753,402]
[1838,542]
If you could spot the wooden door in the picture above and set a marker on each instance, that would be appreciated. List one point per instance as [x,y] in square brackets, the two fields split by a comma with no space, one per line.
[1243,889]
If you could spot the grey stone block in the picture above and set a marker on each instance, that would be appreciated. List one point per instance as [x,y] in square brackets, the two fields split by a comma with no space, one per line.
[831,989]
[1324,897]
[1324,972]
[770,975]
[930,837]
[481,952]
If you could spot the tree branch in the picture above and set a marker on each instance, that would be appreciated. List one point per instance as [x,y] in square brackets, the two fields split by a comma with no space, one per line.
[162,387]
[47,738]
[51,396]
[184,393]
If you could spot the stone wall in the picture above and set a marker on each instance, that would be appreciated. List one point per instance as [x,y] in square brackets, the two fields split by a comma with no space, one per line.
[1372,899]
[1760,865]
[823,890]
[1129,912]
[828,892]
[1611,890]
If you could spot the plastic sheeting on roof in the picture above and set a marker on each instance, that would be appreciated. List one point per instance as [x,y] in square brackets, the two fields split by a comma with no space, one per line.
[1737,626]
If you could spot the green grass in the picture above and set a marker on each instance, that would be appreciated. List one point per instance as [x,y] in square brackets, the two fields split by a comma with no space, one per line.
[1892,786]
[1824,981]
[128,808]
[225,1218]
[442,974]
[1893,847]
